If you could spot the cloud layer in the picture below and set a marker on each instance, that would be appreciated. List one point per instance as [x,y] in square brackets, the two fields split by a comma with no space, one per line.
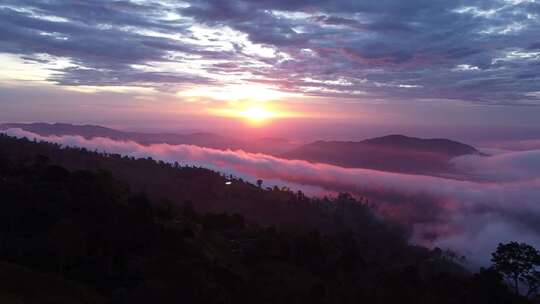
[482,51]
[506,166]
[471,217]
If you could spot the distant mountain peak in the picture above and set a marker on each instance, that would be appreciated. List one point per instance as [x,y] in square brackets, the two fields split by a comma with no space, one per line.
[436,145]
[395,152]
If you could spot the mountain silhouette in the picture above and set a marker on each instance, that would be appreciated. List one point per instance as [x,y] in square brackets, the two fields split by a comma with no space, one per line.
[396,153]
[202,139]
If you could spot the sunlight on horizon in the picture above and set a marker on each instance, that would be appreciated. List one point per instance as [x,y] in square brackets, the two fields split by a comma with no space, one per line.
[255,113]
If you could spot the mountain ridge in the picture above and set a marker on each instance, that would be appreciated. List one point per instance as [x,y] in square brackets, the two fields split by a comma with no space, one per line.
[202,139]
[393,153]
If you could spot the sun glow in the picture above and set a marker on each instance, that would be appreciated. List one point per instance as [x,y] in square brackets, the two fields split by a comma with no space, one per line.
[257,114]
[254,113]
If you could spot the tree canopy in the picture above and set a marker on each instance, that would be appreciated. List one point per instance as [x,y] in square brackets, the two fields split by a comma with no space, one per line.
[519,263]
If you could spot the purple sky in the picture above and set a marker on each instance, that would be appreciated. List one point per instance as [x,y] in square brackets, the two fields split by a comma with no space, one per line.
[328,69]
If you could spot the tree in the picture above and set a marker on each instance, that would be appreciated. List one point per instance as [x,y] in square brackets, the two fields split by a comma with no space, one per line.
[518,262]
[259,182]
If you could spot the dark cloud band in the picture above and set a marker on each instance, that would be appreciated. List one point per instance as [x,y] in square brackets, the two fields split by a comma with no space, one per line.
[479,51]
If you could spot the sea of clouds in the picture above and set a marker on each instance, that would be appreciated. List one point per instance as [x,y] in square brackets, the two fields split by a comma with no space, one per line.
[496,200]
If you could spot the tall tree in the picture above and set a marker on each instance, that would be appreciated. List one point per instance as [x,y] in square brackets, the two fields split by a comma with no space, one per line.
[518,262]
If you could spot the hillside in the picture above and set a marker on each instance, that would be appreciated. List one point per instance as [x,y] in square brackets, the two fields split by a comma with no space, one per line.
[63,215]
[396,153]
[435,145]
[202,139]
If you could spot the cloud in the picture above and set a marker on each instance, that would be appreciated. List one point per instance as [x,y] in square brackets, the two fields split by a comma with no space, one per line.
[471,217]
[106,49]
[419,48]
[390,50]
[509,166]
[516,145]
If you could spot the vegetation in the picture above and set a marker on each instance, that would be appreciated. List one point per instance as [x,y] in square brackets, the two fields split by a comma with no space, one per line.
[73,231]
[519,262]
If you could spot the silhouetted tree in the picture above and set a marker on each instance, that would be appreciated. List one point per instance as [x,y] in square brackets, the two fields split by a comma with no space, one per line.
[259,183]
[518,262]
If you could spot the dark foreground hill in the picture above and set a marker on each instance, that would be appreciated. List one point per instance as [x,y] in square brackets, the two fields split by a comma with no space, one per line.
[396,153]
[72,232]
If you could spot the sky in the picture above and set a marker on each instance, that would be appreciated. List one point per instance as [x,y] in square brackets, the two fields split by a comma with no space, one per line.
[338,69]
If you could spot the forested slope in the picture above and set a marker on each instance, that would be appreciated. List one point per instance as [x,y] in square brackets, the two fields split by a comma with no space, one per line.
[100,225]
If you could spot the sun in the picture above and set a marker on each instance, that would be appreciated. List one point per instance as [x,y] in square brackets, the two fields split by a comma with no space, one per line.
[254,113]
[257,114]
